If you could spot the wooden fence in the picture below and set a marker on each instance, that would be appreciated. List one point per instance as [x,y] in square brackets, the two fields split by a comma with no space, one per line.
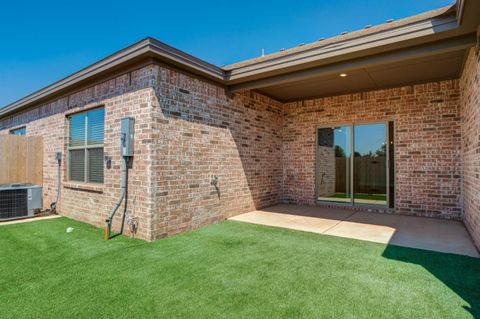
[370,174]
[21,159]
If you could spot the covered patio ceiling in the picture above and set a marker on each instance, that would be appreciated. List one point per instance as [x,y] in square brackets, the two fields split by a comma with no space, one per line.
[332,81]
[420,49]
[427,47]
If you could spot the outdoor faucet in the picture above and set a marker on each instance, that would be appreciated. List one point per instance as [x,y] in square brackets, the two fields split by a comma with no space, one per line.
[214,182]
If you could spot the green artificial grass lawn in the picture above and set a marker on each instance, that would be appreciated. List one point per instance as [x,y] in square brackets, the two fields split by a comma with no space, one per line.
[228,270]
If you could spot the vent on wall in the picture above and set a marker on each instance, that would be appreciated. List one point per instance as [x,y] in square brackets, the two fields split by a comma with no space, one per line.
[19,200]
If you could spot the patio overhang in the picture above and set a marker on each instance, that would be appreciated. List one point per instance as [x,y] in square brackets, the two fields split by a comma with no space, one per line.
[428,47]
[429,62]
[432,48]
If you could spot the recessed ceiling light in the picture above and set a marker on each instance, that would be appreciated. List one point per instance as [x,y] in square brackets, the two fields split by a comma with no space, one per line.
[343,75]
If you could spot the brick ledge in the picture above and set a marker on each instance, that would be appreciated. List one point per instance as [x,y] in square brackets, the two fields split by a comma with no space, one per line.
[97,188]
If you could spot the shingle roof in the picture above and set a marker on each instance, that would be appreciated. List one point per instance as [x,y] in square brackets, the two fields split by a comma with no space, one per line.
[155,49]
[348,36]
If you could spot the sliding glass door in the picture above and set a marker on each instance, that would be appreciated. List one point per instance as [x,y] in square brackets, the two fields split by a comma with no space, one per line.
[370,164]
[353,163]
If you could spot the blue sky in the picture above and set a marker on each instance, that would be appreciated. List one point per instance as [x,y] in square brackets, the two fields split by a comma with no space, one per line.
[44,41]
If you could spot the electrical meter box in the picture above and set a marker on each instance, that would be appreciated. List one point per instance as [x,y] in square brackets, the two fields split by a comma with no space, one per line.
[127,135]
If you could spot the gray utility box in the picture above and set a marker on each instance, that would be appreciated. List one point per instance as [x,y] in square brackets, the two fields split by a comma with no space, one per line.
[19,200]
[127,135]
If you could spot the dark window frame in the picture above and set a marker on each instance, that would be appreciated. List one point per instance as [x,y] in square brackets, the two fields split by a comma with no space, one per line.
[18,129]
[391,160]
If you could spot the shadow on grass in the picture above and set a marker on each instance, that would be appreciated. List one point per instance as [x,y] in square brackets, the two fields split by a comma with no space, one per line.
[115,235]
[460,273]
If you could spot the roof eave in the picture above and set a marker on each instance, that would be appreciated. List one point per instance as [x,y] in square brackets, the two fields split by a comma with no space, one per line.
[145,48]
[431,29]
[367,45]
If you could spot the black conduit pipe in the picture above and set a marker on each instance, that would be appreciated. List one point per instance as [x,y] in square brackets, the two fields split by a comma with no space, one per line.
[120,200]
[53,206]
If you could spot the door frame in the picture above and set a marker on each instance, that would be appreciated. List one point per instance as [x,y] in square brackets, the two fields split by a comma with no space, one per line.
[352,125]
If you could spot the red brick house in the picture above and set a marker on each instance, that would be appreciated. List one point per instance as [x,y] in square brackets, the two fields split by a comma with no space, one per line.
[386,119]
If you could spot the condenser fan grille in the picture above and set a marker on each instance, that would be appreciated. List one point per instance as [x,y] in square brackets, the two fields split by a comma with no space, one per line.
[13,203]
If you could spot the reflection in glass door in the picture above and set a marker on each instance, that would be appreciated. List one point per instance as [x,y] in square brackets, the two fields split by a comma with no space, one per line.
[370,164]
[352,164]
[334,162]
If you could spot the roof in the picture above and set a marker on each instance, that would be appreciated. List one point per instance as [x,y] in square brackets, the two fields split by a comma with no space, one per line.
[296,62]
[345,37]
[148,47]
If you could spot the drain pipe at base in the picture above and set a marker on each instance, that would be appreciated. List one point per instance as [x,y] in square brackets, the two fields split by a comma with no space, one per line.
[126,145]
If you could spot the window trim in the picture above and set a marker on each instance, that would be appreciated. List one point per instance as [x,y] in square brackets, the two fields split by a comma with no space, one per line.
[86,147]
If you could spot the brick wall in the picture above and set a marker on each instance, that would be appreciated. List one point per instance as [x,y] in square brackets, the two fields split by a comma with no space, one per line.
[470,101]
[427,141]
[129,94]
[203,133]
[189,130]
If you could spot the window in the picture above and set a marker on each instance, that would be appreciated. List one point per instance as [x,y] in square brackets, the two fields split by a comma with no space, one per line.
[19,131]
[85,146]
[355,164]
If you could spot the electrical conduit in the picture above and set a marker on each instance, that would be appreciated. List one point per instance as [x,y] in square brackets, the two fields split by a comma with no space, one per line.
[120,200]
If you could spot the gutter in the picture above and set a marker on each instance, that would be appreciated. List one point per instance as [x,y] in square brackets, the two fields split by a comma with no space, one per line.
[319,55]
[239,77]
[144,48]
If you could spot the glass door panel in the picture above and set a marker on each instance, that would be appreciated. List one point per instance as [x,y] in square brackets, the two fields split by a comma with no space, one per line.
[370,164]
[334,164]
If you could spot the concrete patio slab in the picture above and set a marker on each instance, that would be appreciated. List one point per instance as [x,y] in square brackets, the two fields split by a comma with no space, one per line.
[417,232]
[315,224]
